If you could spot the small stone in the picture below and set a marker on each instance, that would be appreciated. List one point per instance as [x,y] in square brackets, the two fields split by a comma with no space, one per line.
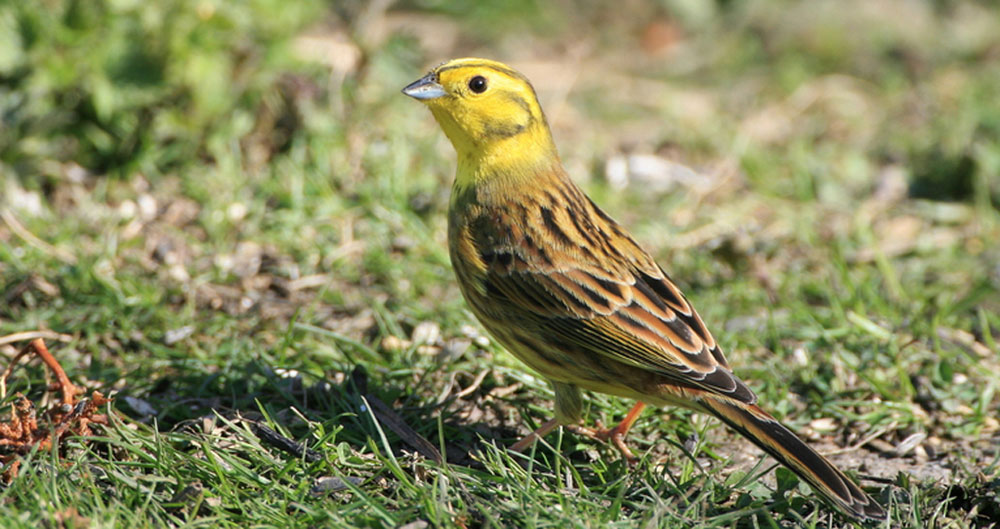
[147,207]
[402,243]
[333,484]
[426,333]
[654,173]
[224,262]
[173,336]
[910,443]
[616,172]
[140,406]
[824,424]
[127,210]
[75,173]
[800,356]
[428,350]
[454,348]
[180,212]
[393,344]
[246,303]
[283,372]
[178,273]
[990,424]
[236,211]
[881,446]
[247,259]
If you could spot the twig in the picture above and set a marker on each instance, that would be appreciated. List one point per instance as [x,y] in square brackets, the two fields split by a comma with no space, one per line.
[69,391]
[283,443]
[22,433]
[311,281]
[384,415]
[474,386]
[31,335]
[82,415]
[446,391]
[964,339]
[878,433]
[30,238]
[396,423]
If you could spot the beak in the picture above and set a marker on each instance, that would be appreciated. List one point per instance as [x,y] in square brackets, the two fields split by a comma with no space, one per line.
[425,88]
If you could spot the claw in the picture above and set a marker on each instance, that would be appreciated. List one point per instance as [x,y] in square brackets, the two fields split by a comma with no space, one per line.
[616,435]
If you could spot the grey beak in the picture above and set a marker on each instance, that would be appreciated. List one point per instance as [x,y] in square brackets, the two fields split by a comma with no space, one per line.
[425,88]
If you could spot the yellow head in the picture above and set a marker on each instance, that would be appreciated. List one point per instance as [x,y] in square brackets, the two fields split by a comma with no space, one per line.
[488,111]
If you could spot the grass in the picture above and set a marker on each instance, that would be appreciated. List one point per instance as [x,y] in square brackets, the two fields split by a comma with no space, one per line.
[231,216]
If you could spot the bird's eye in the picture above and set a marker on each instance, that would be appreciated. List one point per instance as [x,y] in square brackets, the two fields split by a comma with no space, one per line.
[477,84]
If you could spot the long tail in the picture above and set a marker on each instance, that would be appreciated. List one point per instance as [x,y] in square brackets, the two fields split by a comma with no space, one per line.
[772,437]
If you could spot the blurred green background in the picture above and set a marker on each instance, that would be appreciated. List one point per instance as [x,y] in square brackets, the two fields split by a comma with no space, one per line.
[200,197]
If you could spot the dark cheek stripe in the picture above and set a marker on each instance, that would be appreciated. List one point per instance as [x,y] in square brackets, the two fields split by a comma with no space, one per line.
[504,131]
[519,101]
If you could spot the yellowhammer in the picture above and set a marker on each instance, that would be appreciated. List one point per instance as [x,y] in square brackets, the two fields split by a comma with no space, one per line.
[566,289]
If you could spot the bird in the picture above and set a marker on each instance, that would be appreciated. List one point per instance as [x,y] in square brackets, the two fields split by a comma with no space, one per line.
[570,293]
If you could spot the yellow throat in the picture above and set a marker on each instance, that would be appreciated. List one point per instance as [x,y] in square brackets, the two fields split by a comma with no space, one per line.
[491,115]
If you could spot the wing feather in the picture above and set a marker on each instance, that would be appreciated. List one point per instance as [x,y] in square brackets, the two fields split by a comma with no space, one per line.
[574,278]
[598,322]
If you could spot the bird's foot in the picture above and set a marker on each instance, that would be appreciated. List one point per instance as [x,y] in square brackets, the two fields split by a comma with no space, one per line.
[616,435]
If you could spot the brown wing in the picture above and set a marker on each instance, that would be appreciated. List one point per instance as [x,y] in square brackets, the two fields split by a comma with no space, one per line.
[595,290]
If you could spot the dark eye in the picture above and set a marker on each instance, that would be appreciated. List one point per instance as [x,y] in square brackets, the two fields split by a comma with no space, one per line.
[477,84]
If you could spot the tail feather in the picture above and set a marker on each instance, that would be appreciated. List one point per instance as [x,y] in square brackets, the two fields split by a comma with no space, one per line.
[772,437]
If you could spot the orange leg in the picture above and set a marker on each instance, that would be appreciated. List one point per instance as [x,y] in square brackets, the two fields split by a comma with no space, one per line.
[616,434]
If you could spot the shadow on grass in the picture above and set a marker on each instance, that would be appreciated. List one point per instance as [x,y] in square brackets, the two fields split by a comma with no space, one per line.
[252,388]
[472,440]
